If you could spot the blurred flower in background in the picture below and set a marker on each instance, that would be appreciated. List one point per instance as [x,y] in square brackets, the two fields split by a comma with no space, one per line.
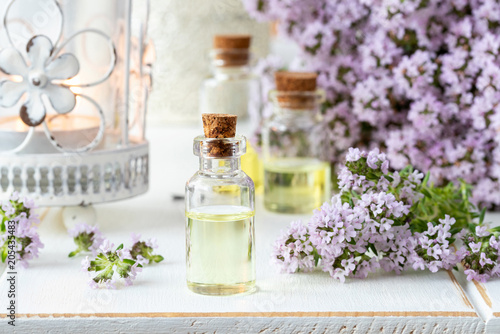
[420,79]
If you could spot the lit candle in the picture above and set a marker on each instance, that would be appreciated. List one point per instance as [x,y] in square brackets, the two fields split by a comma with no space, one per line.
[70,131]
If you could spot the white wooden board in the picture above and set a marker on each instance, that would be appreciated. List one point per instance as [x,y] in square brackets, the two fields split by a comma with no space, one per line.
[53,294]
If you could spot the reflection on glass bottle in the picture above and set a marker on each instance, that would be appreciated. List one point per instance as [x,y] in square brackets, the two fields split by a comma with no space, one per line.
[220,245]
[295,179]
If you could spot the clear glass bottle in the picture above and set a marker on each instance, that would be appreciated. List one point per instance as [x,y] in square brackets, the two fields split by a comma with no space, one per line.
[234,89]
[220,209]
[295,179]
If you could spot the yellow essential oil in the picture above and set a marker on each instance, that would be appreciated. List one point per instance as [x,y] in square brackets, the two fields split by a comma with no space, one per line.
[296,185]
[218,262]
[251,164]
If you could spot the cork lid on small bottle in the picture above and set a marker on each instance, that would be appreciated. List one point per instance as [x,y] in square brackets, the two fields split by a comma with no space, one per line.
[219,126]
[295,81]
[296,89]
[232,50]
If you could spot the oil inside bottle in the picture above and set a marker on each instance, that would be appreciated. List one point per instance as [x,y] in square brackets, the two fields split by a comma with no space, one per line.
[296,185]
[220,250]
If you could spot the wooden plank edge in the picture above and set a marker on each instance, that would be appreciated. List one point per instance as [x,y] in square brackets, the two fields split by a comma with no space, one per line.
[461,291]
[482,291]
[251,315]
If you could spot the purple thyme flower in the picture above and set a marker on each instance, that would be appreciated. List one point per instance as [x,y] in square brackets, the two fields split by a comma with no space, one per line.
[25,229]
[293,251]
[87,238]
[109,266]
[482,231]
[142,250]
[481,256]
[475,246]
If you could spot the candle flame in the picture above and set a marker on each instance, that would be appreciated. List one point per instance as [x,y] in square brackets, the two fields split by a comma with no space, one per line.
[20,126]
[73,83]
[16,78]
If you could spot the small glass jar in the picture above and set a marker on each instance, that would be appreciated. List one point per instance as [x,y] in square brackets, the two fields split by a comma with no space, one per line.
[220,210]
[232,88]
[295,179]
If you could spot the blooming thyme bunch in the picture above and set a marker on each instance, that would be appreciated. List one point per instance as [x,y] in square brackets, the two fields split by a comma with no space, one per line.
[142,251]
[381,219]
[87,239]
[431,249]
[111,265]
[27,240]
[293,251]
[420,78]
[481,254]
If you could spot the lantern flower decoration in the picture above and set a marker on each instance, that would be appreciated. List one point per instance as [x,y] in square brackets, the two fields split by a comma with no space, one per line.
[46,74]
[38,79]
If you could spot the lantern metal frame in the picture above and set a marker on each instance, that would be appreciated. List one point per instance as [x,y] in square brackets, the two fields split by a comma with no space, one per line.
[92,173]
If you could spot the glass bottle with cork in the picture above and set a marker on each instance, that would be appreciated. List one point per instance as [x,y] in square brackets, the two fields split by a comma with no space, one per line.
[220,209]
[234,89]
[295,179]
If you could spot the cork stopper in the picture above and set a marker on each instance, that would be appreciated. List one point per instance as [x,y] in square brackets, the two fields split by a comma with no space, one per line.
[232,50]
[295,81]
[295,89]
[219,126]
[232,41]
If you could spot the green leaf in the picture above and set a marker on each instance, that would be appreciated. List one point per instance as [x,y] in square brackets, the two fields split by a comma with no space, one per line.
[481,216]
[426,193]
[426,178]
[73,253]
[407,169]
[128,261]
[119,247]
[3,228]
[98,265]
[317,257]
[455,230]
[495,229]
[105,275]
[158,258]
[102,257]
[463,188]
[390,179]
[4,254]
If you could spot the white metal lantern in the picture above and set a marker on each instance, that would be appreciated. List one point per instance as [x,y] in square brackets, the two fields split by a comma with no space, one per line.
[74,81]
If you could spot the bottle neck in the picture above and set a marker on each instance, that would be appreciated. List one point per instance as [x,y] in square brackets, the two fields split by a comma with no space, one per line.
[297,103]
[229,72]
[220,156]
[220,166]
[304,116]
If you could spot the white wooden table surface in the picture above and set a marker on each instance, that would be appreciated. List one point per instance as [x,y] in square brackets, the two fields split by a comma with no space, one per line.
[53,294]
